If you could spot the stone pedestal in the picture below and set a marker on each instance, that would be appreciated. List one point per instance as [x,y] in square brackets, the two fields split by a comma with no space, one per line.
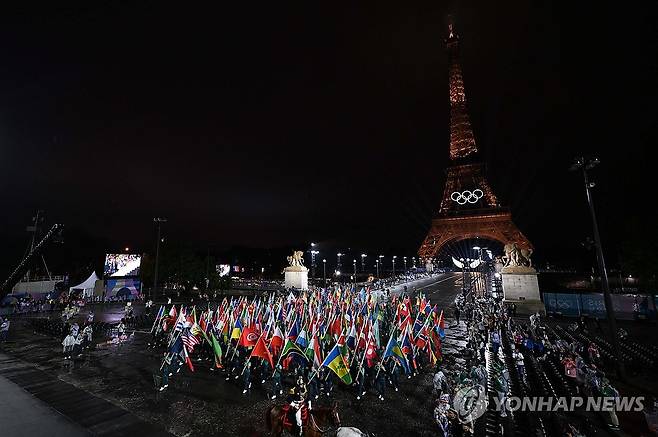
[296,277]
[520,287]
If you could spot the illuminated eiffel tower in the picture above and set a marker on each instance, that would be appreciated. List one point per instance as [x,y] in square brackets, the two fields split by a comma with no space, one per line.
[469,207]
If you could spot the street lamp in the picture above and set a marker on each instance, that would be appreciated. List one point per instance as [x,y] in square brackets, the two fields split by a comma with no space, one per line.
[584,164]
[354,265]
[338,266]
[413,262]
[377,267]
[363,262]
[324,271]
[158,221]
[394,257]
[405,264]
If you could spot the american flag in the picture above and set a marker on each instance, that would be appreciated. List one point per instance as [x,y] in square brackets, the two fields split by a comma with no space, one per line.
[189,341]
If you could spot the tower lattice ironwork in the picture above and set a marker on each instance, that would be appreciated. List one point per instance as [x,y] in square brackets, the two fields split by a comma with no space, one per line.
[469,207]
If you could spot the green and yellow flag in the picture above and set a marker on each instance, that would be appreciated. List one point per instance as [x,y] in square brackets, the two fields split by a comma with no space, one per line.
[337,363]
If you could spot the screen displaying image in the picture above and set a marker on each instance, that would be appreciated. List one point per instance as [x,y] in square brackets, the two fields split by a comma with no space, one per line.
[122,264]
[127,288]
[223,269]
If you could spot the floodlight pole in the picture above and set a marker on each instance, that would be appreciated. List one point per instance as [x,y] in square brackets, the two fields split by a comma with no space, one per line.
[607,299]
[159,222]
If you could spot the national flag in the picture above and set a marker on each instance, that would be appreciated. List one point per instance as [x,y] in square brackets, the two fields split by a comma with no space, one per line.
[237,330]
[421,340]
[301,339]
[393,350]
[436,343]
[291,348]
[341,344]
[427,309]
[406,343]
[403,309]
[260,350]
[351,338]
[189,340]
[336,328]
[179,322]
[442,332]
[294,331]
[249,337]
[187,358]
[406,321]
[277,339]
[313,352]
[217,349]
[338,364]
[371,355]
[177,347]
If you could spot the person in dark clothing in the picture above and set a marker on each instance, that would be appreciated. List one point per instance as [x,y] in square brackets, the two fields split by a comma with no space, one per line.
[246,377]
[394,373]
[360,379]
[380,380]
[276,382]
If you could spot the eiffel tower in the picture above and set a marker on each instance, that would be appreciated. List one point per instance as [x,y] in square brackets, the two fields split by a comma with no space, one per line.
[469,207]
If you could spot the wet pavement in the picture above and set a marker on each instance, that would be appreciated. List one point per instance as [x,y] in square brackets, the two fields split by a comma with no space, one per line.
[203,403]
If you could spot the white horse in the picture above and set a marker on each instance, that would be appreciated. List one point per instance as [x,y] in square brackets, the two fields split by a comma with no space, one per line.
[349,431]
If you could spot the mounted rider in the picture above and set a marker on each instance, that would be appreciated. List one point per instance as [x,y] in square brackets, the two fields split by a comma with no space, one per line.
[298,399]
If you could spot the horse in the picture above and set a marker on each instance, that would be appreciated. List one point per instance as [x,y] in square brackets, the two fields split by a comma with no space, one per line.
[317,424]
[350,431]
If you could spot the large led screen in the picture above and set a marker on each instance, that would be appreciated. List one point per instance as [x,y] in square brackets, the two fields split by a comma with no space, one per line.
[119,265]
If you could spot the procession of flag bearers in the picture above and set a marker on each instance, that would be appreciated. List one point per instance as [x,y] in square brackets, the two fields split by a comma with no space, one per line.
[358,338]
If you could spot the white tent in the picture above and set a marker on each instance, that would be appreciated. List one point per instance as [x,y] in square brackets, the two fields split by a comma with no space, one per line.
[87,286]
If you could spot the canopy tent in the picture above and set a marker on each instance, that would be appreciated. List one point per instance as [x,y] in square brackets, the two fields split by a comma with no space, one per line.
[87,286]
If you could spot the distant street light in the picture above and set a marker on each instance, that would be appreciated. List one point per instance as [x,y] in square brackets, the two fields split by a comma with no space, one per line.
[585,165]
[363,262]
[394,257]
[354,264]
[405,264]
[158,221]
[413,262]
[338,265]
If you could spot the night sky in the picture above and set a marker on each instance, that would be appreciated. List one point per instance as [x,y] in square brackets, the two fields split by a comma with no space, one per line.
[277,124]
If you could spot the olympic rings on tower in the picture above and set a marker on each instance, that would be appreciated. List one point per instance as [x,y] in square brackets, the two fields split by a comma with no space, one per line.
[467,196]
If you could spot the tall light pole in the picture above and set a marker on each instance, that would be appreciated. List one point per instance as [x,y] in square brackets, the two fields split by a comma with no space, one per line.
[338,266]
[313,253]
[381,263]
[405,264]
[158,221]
[377,267]
[413,262]
[585,165]
[324,271]
[363,262]
[394,257]
[354,265]
[463,261]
